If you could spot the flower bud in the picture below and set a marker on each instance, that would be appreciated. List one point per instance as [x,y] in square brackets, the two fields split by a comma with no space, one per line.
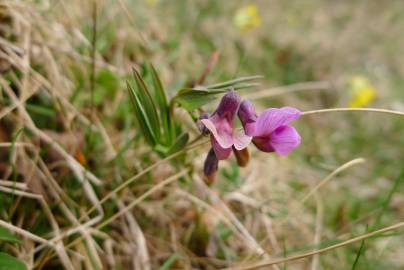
[242,156]
[229,105]
[210,167]
[248,117]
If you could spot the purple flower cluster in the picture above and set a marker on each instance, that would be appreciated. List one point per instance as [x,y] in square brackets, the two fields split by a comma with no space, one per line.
[269,132]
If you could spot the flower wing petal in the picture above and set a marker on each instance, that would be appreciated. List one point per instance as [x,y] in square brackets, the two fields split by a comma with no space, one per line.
[284,139]
[273,118]
[220,129]
[241,140]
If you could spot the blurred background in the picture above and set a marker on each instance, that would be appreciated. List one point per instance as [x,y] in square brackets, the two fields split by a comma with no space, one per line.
[64,66]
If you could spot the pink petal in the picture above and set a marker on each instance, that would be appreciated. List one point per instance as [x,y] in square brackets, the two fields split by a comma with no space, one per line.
[284,139]
[220,152]
[221,129]
[273,118]
[241,140]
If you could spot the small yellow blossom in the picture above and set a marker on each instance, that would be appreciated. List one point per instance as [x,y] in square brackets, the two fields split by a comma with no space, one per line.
[152,3]
[362,92]
[247,18]
[291,20]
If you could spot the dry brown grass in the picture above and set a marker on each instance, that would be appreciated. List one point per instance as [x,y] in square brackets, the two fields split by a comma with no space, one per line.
[114,204]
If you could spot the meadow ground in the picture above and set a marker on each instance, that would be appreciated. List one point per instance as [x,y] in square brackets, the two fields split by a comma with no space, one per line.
[83,184]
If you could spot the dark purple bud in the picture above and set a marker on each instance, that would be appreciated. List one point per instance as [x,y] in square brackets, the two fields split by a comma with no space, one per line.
[202,128]
[210,167]
[248,117]
[242,156]
[229,105]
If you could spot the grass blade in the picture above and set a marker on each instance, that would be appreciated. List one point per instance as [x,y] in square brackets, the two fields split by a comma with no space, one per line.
[387,201]
[169,262]
[358,255]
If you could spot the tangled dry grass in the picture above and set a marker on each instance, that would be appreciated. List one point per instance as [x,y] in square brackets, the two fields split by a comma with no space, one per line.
[82,190]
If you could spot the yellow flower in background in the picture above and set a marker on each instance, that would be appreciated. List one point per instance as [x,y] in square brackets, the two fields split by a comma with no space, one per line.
[247,18]
[152,3]
[291,20]
[362,92]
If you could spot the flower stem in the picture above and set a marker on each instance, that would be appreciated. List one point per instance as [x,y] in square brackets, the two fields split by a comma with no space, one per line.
[354,110]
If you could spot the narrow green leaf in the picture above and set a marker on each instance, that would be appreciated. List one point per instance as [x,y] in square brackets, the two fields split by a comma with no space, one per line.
[185,91]
[163,106]
[148,104]
[14,170]
[161,149]
[141,117]
[8,262]
[39,109]
[7,236]
[169,262]
[160,94]
[179,144]
[235,87]
[234,82]
[386,202]
[192,99]
[360,252]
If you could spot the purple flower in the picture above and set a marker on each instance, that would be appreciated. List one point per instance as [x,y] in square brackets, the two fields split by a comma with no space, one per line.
[270,130]
[221,127]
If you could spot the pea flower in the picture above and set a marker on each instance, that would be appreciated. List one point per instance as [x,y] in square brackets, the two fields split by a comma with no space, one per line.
[270,130]
[361,91]
[221,127]
[247,18]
